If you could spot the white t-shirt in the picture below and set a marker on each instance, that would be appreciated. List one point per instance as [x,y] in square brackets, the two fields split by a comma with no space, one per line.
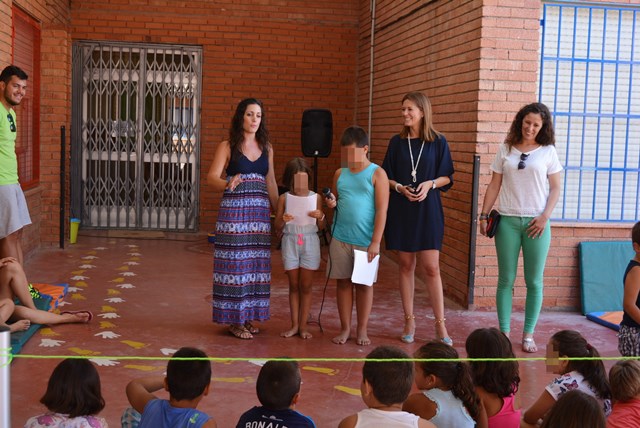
[524,192]
[374,418]
[574,380]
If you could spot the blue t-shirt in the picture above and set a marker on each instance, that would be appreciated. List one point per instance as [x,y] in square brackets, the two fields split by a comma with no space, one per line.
[356,210]
[261,416]
[160,414]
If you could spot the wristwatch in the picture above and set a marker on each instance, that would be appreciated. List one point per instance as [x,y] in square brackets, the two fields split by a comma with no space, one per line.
[433,186]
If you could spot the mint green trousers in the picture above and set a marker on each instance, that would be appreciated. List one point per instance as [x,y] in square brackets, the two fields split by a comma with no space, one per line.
[511,236]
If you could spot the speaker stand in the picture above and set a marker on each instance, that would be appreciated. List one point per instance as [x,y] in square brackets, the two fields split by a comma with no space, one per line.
[323,232]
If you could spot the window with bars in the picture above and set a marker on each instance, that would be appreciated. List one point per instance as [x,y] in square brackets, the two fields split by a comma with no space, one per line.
[590,79]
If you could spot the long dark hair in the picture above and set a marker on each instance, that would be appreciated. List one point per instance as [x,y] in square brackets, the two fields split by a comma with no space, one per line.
[575,409]
[236,130]
[74,389]
[570,343]
[546,136]
[496,377]
[454,375]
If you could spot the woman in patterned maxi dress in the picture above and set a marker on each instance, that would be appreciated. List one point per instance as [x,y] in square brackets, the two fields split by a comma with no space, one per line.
[242,252]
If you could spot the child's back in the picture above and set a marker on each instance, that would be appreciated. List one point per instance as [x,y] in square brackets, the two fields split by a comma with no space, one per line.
[278,390]
[385,386]
[624,378]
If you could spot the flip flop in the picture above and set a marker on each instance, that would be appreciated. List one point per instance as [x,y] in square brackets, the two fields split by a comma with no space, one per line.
[77,313]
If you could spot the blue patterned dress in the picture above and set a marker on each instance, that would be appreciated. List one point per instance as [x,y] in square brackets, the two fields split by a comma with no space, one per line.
[242,251]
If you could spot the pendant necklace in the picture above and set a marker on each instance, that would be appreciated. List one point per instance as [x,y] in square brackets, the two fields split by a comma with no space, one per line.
[414,167]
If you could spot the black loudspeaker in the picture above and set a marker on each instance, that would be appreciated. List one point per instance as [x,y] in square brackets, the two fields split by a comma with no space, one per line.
[317,132]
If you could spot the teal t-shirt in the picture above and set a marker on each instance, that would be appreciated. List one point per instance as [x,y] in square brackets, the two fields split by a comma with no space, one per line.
[8,158]
[354,220]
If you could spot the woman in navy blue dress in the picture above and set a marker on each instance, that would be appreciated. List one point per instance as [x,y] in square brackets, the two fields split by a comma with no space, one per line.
[242,251]
[419,166]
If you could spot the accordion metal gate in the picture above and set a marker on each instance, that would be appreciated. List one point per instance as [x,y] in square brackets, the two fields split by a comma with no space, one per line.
[135,136]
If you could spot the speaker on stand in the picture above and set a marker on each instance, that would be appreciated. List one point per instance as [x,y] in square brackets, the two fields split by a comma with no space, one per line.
[316,138]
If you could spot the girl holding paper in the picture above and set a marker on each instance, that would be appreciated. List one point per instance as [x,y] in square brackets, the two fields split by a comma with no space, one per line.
[300,216]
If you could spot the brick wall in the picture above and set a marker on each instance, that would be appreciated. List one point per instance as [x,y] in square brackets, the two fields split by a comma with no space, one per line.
[292,57]
[431,47]
[55,110]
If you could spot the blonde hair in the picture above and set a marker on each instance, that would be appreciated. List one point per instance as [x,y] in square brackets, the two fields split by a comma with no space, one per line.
[624,380]
[427,132]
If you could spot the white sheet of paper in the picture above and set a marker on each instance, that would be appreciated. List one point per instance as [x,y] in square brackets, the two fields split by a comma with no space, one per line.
[364,273]
[299,207]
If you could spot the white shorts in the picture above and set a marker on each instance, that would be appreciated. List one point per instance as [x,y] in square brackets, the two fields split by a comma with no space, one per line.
[14,213]
[301,251]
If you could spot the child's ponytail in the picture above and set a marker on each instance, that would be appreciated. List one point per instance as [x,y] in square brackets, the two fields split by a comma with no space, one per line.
[454,375]
[571,344]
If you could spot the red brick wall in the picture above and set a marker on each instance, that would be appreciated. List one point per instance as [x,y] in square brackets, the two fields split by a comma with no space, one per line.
[55,110]
[293,56]
[432,47]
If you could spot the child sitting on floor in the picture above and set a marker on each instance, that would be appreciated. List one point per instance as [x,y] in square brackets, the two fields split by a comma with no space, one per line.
[73,397]
[385,386]
[624,379]
[587,375]
[576,409]
[278,389]
[629,335]
[496,381]
[300,242]
[447,396]
[187,382]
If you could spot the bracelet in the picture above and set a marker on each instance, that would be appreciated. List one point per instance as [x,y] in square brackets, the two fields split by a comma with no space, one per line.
[398,184]
[484,216]
[323,216]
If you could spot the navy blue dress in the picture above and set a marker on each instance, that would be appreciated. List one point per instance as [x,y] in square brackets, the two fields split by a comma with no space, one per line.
[416,226]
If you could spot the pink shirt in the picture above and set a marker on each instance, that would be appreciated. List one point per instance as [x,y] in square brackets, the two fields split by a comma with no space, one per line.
[507,417]
[625,414]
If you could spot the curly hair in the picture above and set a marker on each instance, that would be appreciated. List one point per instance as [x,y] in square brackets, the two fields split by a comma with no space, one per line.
[496,377]
[454,375]
[546,136]
[236,130]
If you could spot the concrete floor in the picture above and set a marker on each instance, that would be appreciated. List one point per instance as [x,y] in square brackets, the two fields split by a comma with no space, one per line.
[169,307]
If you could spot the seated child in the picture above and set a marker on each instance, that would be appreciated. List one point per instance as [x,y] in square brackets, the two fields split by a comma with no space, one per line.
[496,376]
[629,335]
[187,382]
[73,397]
[385,386]
[447,397]
[624,379]
[576,409]
[588,376]
[278,389]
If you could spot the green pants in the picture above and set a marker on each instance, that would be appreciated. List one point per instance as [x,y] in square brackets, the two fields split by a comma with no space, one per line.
[510,237]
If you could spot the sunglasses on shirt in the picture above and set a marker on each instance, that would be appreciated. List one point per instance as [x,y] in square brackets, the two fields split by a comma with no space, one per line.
[523,157]
[12,124]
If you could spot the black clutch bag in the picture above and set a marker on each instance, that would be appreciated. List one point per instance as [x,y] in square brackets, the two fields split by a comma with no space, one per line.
[492,223]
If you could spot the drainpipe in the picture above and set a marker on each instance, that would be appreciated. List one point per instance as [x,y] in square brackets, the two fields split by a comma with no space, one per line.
[373,34]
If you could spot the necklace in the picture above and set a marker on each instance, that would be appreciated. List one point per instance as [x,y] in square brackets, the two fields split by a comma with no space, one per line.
[414,167]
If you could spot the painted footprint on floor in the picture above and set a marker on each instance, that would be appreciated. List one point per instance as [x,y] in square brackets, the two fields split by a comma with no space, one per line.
[84,352]
[117,280]
[232,379]
[113,292]
[109,315]
[114,300]
[104,362]
[78,272]
[50,343]
[106,308]
[81,284]
[100,248]
[323,370]
[142,368]
[108,334]
[107,324]
[131,263]
[47,331]
[123,268]
[87,266]
[351,391]
[127,274]
[79,277]
[77,296]
[125,285]
[134,344]
[89,257]
[168,351]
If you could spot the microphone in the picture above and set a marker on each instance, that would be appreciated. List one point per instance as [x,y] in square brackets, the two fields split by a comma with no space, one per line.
[327,193]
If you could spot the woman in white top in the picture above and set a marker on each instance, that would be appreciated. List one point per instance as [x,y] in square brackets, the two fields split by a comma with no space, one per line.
[526,182]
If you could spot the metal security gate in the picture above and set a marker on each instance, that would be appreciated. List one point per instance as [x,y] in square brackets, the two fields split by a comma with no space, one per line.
[135,135]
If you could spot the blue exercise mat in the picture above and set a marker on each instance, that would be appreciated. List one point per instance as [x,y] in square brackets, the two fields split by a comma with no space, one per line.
[19,338]
[602,266]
